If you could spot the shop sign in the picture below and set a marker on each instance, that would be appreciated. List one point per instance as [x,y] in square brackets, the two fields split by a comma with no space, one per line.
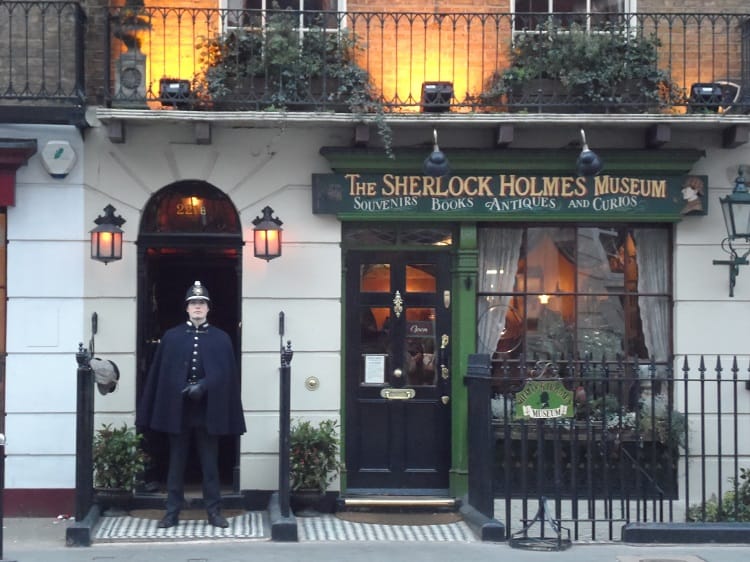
[545,399]
[510,196]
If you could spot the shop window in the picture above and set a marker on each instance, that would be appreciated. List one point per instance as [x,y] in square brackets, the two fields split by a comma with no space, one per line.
[568,295]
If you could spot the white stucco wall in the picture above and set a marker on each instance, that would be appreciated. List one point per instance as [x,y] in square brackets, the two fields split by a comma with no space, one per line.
[45,320]
[53,286]
[255,168]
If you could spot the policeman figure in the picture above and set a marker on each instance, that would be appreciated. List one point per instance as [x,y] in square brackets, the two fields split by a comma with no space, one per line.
[193,391]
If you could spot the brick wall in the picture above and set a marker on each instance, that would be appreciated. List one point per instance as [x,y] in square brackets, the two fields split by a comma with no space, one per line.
[406,55]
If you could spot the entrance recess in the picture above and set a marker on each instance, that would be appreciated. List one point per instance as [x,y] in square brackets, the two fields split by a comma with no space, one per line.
[398,371]
[190,231]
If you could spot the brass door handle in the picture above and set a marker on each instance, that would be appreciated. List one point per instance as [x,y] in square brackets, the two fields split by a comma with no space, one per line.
[397,393]
[398,373]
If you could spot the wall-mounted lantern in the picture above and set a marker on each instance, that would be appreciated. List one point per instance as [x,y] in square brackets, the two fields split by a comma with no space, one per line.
[588,162]
[267,235]
[736,210]
[106,238]
[436,164]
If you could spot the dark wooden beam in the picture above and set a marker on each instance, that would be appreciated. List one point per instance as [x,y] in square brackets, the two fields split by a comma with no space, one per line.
[504,135]
[361,135]
[658,135]
[735,136]
[203,132]
[116,131]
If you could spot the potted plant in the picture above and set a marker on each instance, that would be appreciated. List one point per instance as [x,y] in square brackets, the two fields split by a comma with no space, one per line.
[571,69]
[118,462]
[313,461]
[268,65]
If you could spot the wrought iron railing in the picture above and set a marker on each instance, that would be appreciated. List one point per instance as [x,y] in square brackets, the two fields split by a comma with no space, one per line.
[647,442]
[214,59]
[42,46]
[449,62]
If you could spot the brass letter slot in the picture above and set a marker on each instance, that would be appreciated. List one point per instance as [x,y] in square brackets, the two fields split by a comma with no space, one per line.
[397,393]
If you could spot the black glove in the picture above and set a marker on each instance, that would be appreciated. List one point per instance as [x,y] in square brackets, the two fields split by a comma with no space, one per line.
[194,390]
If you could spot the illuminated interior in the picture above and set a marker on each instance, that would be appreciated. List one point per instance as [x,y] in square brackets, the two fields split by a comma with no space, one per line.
[403,53]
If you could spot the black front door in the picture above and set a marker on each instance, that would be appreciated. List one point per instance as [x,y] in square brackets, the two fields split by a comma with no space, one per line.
[397,376]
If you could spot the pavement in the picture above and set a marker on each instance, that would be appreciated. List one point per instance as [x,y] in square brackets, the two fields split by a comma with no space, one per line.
[43,540]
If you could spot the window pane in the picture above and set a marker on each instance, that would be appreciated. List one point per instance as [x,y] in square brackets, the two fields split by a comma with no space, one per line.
[601,260]
[550,328]
[375,278]
[601,327]
[421,278]
[374,329]
[550,260]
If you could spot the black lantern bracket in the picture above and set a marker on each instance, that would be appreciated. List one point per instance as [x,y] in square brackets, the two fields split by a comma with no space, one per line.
[736,210]
[734,262]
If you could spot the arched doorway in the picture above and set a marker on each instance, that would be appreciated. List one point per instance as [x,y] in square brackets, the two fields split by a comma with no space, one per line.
[190,230]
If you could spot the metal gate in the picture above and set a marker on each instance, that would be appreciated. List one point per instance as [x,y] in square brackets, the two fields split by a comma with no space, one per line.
[644,444]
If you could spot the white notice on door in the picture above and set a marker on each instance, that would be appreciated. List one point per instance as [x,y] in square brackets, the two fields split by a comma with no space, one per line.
[374,369]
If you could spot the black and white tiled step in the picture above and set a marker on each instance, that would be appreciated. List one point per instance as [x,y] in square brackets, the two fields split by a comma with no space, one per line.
[250,525]
[254,526]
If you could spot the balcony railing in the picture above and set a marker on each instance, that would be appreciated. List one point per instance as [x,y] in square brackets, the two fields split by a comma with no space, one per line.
[42,53]
[213,59]
[451,62]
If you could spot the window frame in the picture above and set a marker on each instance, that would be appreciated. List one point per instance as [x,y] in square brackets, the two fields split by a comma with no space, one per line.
[629,296]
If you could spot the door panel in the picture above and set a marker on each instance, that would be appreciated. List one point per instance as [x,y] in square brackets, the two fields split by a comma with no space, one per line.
[398,321]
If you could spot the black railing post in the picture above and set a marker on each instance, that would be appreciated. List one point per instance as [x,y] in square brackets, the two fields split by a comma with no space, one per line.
[84,434]
[477,379]
[479,513]
[283,522]
[284,422]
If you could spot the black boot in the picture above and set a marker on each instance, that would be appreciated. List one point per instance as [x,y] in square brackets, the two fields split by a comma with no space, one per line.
[169,520]
[217,520]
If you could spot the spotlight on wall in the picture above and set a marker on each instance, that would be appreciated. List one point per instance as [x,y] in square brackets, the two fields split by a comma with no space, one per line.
[736,210]
[267,235]
[713,97]
[436,164]
[437,96]
[174,92]
[588,163]
[106,238]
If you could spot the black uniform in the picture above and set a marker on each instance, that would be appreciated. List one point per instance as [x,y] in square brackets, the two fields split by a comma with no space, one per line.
[202,356]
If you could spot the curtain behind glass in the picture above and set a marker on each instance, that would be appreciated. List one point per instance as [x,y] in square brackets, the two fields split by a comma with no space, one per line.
[652,255]
[499,250]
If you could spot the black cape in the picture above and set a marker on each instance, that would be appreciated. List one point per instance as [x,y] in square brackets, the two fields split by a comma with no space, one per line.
[160,407]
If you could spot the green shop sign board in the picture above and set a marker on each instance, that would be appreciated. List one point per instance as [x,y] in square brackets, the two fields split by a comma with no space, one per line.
[510,197]
[546,399]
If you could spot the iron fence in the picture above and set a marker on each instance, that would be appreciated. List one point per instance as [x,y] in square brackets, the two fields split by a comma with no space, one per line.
[434,62]
[218,59]
[42,46]
[647,443]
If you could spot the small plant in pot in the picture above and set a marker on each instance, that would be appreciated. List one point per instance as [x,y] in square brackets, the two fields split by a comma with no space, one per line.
[119,463]
[313,462]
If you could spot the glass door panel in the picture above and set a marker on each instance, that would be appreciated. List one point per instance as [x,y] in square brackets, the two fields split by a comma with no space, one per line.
[420,348]
[375,278]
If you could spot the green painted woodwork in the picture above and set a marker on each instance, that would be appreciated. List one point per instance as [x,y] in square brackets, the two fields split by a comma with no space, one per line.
[464,319]
[671,162]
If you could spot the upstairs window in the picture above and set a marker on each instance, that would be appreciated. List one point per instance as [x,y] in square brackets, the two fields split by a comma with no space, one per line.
[309,11]
[588,14]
